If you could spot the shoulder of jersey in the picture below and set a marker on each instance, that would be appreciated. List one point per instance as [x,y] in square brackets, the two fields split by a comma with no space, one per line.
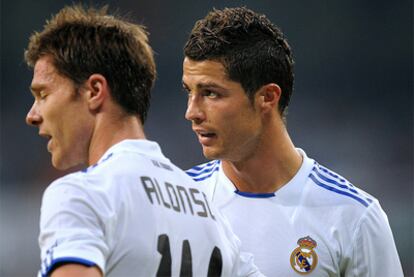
[338,187]
[204,171]
[79,176]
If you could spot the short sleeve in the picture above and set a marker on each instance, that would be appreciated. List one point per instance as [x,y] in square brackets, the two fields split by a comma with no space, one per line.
[373,251]
[70,228]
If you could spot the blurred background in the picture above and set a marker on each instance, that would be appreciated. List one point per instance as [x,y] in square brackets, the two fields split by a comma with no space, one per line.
[352,108]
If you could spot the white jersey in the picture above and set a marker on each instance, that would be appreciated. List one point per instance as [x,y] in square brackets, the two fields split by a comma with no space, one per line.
[134,213]
[318,224]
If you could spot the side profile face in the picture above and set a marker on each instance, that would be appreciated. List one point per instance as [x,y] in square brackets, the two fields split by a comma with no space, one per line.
[61,113]
[227,124]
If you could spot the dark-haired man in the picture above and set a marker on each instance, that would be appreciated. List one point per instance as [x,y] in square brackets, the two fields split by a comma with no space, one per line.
[295,215]
[130,212]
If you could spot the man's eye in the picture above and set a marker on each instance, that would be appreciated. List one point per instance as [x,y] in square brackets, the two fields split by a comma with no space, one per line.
[187,91]
[42,95]
[210,94]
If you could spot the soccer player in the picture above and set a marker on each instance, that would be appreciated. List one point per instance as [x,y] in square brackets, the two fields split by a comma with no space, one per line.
[130,212]
[296,216]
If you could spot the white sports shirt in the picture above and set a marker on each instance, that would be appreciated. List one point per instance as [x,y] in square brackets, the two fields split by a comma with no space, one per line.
[318,224]
[134,213]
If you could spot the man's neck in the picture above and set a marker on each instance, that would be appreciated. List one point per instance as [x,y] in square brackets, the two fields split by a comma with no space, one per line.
[110,131]
[274,163]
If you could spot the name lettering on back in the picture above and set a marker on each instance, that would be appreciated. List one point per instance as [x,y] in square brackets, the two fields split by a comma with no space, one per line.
[176,197]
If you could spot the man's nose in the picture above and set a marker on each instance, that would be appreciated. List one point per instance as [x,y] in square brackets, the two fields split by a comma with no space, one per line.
[33,117]
[194,110]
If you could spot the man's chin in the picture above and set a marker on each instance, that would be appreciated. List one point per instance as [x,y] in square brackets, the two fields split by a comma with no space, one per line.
[62,165]
[210,154]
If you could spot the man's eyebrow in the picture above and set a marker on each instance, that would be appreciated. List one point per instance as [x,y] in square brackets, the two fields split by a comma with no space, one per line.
[35,88]
[185,86]
[204,85]
[209,85]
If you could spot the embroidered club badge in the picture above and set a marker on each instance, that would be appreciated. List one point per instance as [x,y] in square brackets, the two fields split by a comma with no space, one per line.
[304,259]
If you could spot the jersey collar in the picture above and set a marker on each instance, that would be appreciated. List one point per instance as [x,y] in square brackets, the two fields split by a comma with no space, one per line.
[142,146]
[289,191]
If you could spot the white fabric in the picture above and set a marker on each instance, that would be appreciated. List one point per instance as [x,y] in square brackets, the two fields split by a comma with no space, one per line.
[124,214]
[351,231]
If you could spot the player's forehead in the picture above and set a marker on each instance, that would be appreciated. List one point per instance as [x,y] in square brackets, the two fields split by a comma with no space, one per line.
[44,73]
[204,73]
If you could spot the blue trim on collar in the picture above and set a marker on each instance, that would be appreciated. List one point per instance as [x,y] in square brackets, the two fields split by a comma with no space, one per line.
[85,170]
[255,195]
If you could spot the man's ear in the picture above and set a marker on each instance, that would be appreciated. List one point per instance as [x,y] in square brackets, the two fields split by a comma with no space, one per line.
[97,91]
[268,97]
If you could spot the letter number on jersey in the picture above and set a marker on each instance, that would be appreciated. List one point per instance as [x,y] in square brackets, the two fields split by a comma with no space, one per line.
[163,246]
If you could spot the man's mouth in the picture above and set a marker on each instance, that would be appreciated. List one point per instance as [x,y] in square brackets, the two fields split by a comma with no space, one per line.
[49,145]
[206,138]
[49,139]
[206,134]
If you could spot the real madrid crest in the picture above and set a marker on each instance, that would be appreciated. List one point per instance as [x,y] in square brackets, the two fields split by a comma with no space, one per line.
[304,259]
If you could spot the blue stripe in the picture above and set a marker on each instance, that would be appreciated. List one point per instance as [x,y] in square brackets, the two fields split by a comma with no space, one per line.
[316,181]
[206,170]
[66,260]
[332,181]
[333,174]
[85,170]
[202,166]
[207,176]
[348,185]
[254,195]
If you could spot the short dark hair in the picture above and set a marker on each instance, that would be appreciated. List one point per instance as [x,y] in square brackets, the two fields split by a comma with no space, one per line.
[84,41]
[253,51]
